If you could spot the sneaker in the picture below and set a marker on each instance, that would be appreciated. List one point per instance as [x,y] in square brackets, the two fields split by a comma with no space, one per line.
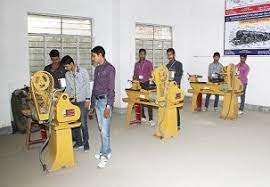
[240,112]
[205,109]
[98,156]
[103,162]
[143,120]
[77,146]
[216,109]
[86,147]
[152,123]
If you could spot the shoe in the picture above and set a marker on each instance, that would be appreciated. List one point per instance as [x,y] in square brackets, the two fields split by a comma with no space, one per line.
[86,147]
[240,112]
[98,156]
[152,123]
[216,109]
[143,120]
[103,162]
[205,109]
[77,146]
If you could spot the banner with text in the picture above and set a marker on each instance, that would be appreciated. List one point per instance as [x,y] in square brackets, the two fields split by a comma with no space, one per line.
[247,27]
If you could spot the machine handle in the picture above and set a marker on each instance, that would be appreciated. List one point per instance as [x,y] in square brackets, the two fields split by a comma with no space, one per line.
[197,76]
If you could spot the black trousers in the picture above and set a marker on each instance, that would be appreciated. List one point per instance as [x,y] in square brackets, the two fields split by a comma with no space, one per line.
[178,111]
[243,98]
[145,86]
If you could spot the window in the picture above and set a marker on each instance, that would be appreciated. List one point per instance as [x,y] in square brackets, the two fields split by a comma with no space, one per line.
[155,39]
[71,36]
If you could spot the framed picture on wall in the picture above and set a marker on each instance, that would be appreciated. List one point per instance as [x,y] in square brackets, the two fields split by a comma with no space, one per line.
[247,27]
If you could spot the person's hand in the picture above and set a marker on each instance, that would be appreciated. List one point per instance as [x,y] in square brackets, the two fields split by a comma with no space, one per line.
[107,112]
[135,78]
[87,104]
[91,111]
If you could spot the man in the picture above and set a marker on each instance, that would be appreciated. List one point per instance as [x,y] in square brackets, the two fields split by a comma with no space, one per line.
[142,72]
[243,70]
[103,95]
[78,88]
[176,72]
[214,68]
[56,69]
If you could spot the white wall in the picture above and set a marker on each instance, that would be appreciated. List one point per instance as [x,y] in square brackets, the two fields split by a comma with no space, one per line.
[208,26]
[15,66]
[198,28]
[197,33]
[173,13]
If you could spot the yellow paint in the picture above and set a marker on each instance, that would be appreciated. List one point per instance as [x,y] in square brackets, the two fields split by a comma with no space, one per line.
[55,107]
[254,21]
[167,97]
[230,88]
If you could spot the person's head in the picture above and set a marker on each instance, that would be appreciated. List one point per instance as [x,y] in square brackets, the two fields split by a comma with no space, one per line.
[68,63]
[55,57]
[216,56]
[98,55]
[171,54]
[142,54]
[243,58]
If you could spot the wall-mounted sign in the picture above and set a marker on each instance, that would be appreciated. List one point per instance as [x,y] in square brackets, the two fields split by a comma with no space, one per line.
[247,27]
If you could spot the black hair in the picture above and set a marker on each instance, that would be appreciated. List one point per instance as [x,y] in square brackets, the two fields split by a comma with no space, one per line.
[142,50]
[243,55]
[171,50]
[67,60]
[98,50]
[54,53]
[216,54]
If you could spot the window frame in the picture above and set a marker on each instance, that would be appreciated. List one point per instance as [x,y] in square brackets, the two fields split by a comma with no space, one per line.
[154,40]
[44,35]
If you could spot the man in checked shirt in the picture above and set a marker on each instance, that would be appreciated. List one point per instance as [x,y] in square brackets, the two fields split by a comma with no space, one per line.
[102,100]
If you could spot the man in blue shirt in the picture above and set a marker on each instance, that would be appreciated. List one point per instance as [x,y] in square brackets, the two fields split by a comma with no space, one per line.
[215,68]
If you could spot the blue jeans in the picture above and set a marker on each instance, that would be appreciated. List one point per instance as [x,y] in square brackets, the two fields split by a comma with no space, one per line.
[83,127]
[104,126]
[208,98]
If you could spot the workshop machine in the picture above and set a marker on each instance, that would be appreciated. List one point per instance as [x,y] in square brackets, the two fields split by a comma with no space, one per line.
[54,109]
[227,85]
[166,96]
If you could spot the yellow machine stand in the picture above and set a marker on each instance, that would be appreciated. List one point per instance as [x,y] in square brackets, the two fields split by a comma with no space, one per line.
[230,88]
[166,97]
[60,145]
[53,107]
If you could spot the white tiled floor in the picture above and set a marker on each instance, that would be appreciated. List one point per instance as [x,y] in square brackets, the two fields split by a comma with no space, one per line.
[209,152]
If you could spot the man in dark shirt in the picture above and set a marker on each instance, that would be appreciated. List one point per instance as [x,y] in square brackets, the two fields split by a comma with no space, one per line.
[56,69]
[102,100]
[176,72]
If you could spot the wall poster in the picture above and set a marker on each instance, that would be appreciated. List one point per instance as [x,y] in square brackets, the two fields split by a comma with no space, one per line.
[247,27]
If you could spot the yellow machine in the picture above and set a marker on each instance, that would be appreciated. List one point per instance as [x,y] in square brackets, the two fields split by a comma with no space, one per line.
[167,97]
[229,87]
[54,108]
